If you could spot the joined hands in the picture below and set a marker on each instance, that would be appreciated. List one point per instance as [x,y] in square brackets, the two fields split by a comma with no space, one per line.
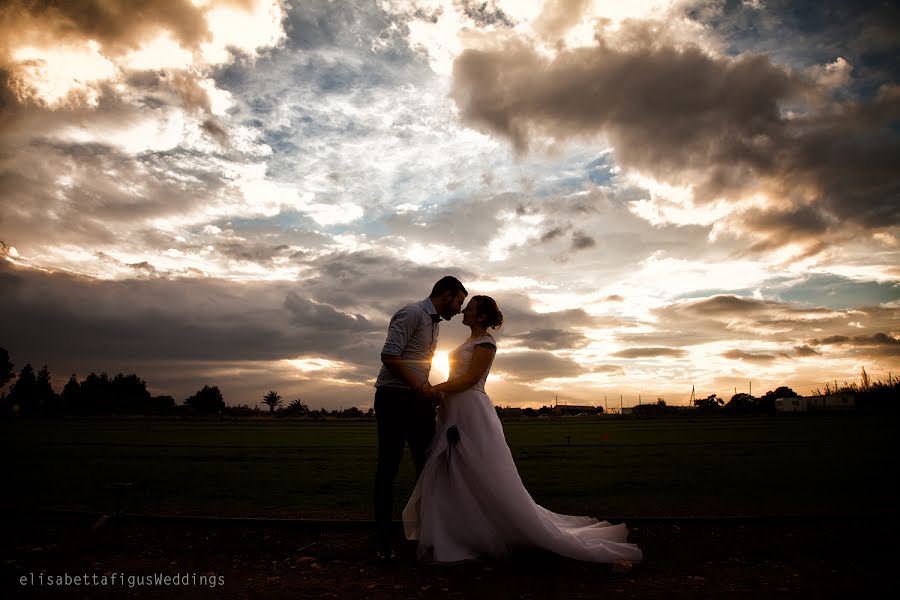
[432,393]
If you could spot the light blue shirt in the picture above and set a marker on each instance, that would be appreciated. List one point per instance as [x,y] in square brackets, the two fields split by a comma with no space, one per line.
[412,335]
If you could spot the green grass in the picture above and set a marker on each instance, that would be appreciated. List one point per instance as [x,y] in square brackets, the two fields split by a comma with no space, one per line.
[765,465]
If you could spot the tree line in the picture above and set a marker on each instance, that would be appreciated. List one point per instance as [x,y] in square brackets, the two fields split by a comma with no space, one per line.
[32,394]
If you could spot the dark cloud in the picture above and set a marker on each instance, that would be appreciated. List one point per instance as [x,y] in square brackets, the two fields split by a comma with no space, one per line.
[582,241]
[534,366]
[649,352]
[117,30]
[725,305]
[875,346]
[552,234]
[162,319]
[373,283]
[805,350]
[791,325]
[105,192]
[485,12]
[551,339]
[660,105]
[307,313]
[748,356]
[877,339]
[689,118]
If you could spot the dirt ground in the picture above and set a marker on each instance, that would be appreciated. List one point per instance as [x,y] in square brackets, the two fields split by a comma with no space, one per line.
[801,558]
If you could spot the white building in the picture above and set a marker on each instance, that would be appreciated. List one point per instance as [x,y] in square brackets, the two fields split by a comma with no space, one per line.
[830,402]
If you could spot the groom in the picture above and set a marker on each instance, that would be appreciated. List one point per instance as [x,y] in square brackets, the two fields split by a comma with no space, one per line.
[404,402]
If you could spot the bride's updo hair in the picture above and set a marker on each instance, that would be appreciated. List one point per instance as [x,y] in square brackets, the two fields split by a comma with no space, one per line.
[487,307]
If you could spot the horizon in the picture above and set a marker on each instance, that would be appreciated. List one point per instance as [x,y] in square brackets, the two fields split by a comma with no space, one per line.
[4,390]
[660,195]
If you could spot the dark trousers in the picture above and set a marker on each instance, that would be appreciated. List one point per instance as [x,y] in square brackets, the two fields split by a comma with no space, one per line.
[402,417]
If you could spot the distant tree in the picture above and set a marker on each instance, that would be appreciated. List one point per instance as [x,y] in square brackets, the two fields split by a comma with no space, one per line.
[129,394]
[272,399]
[660,402]
[23,393]
[710,403]
[71,395]
[6,368]
[741,404]
[352,412]
[206,401]
[44,396]
[297,407]
[96,394]
[529,412]
[370,412]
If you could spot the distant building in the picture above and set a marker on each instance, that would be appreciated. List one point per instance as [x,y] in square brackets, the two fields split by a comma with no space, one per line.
[830,402]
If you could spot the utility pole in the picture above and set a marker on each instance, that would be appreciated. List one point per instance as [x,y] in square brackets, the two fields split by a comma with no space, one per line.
[620,404]
[751,387]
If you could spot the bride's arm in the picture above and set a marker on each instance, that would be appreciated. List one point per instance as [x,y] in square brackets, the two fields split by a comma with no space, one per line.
[481,361]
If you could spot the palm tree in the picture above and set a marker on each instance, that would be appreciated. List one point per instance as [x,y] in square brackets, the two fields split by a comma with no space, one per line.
[298,406]
[272,399]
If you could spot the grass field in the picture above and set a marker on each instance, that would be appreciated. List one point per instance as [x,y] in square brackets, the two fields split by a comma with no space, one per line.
[600,466]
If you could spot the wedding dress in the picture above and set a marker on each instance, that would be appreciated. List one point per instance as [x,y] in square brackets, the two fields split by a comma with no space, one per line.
[470,502]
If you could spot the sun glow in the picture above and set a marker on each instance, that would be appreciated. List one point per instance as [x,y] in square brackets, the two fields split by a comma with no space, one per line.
[440,367]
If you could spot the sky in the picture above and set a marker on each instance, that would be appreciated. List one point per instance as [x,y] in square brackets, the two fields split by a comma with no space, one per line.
[661,196]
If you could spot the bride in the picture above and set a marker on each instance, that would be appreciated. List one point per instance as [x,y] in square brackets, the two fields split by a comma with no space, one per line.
[469,501]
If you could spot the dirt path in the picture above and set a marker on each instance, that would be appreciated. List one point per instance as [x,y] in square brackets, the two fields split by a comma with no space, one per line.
[803,559]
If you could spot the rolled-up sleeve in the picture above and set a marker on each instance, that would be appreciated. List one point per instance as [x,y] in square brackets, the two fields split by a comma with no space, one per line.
[401,328]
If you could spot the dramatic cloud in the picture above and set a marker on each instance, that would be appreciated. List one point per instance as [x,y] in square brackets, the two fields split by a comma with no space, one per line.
[795,164]
[879,344]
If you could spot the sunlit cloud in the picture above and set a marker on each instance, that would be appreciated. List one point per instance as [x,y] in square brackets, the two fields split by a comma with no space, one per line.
[246,31]
[53,76]
[160,53]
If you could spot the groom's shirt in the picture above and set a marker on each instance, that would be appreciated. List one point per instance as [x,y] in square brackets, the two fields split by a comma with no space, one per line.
[412,335]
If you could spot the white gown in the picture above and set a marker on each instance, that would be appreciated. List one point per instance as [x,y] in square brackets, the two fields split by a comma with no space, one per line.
[470,501]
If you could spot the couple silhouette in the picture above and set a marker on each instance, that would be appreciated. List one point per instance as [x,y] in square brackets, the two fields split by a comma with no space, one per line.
[469,501]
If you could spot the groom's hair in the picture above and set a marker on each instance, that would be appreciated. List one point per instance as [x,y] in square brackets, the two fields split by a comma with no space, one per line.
[448,284]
